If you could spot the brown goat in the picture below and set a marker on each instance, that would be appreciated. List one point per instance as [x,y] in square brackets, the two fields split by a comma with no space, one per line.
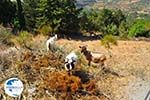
[93,56]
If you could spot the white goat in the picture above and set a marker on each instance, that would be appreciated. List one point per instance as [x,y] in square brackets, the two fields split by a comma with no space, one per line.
[50,43]
[70,61]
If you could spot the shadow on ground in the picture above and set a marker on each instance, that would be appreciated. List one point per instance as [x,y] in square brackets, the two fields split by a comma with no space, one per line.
[85,77]
[81,37]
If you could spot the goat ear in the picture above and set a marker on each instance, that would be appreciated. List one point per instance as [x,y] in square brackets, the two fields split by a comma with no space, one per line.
[66,60]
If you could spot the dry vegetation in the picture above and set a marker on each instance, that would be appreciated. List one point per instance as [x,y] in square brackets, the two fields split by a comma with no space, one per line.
[44,76]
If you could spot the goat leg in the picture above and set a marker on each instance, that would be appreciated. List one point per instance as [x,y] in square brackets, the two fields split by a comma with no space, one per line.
[89,63]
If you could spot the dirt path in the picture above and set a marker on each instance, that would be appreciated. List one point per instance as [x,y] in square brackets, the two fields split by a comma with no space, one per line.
[131,59]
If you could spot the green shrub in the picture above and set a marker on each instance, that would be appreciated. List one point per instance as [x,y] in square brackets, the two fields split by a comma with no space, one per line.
[107,40]
[23,39]
[112,29]
[139,28]
[45,30]
[123,30]
[106,21]
[5,35]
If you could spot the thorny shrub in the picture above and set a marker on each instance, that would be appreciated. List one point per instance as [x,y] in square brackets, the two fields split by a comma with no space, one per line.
[36,62]
[58,82]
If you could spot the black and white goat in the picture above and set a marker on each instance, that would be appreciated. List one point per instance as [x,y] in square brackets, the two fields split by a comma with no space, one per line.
[70,61]
[50,43]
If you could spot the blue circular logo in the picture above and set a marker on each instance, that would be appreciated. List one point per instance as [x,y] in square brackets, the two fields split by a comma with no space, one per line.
[13,87]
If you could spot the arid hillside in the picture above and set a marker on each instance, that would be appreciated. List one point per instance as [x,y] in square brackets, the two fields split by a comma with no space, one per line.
[125,76]
[140,6]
